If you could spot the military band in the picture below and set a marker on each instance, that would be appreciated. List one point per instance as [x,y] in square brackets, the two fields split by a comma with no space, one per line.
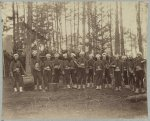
[79,72]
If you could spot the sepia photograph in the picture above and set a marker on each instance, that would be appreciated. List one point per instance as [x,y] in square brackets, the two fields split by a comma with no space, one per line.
[74,59]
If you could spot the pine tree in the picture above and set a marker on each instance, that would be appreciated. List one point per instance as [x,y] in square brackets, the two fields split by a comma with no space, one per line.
[139,33]
[117,40]
[28,41]
[121,31]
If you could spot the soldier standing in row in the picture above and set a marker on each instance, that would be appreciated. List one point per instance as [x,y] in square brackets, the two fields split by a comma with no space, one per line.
[36,67]
[99,72]
[107,79]
[139,73]
[57,66]
[47,72]
[82,63]
[73,70]
[90,71]
[16,72]
[125,71]
[117,73]
[131,73]
[66,70]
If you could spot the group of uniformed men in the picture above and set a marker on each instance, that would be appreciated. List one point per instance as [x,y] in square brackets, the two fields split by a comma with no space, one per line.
[99,71]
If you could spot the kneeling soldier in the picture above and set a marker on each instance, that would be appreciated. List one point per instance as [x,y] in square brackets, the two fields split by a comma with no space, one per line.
[99,72]
[90,70]
[16,72]
[47,72]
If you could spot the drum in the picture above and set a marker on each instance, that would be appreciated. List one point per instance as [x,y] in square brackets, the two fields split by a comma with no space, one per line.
[28,80]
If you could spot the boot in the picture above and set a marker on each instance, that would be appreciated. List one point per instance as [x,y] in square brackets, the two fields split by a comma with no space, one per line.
[15,89]
[116,89]
[109,85]
[97,87]
[75,86]
[100,87]
[68,86]
[88,84]
[83,86]
[137,91]
[79,86]
[142,90]
[105,85]
[119,88]
[35,87]
[20,89]
[40,87]
[92,84]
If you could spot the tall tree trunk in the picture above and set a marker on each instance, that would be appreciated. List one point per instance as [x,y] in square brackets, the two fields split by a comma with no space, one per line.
[131,40]
[89,25]
[36,28]
[121,31]
[139,33]
[78,27]
[49,38]
[83,22]
[28,41]
[60,31]
[24,22]
[53,17]
[74,27]
[18,37]
[117,40]
[71,29]
[14,25]
[102,41]
[110,27]
[66,26]
[57,41]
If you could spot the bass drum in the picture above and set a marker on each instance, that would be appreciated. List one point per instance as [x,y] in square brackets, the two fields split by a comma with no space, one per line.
[28,82]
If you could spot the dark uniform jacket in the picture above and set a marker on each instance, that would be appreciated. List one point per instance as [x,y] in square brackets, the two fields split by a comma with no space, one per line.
[106,64]
[138,64]
[82,62]
[72,64]
[36,64]
[57,64]
[90,64]
[117,65]
[98,65]
[130,65]
[16,67]
[48,65]
[66,64]
[124,65]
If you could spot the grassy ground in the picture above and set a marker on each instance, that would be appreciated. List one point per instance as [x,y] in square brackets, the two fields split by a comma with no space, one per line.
[70,104]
